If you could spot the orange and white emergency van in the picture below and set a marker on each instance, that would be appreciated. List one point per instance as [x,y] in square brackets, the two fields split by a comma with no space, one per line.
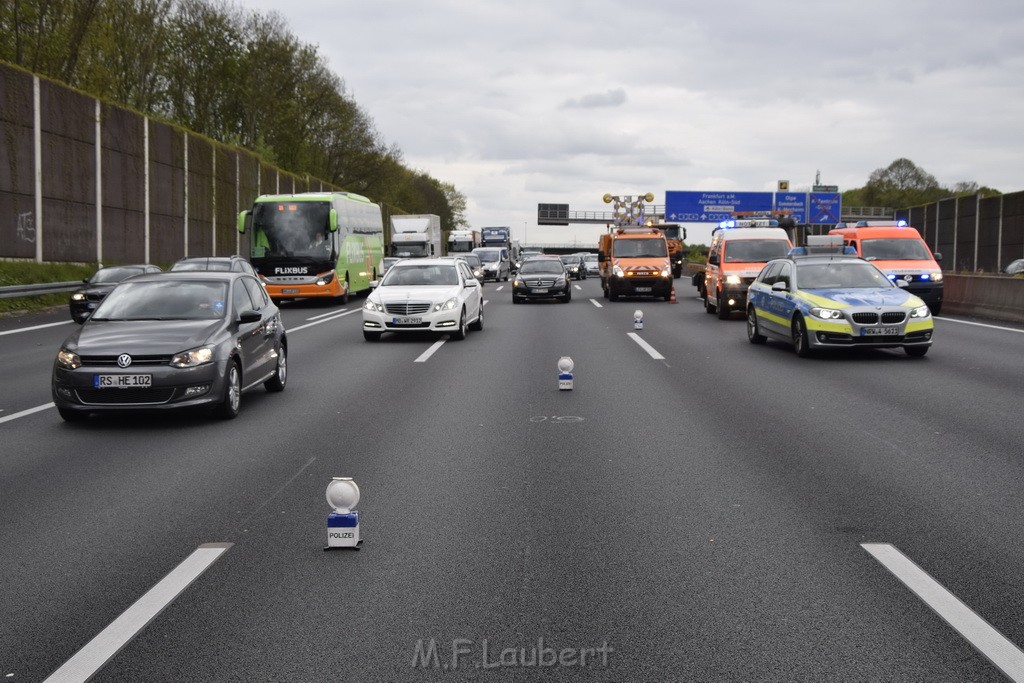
[634,261]
[739,249]
[898,251]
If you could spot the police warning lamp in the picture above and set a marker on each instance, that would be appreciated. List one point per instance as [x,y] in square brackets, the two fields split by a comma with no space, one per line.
[343,522]
[638,319]
[565,366]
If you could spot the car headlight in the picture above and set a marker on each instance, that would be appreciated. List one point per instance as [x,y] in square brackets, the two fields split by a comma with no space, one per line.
[190,359]
[371,305]
[617,272]
[920,312]
[826,313]
[733,280]
[447,305]
[68,359]
[666,272]
[517,283]
[325,280]
[560,282]
[936,277]
[78,296]
[478,273]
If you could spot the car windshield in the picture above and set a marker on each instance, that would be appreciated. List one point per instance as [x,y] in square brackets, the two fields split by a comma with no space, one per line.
[416,275]
[541,266]
[895,249]
[569,259]
[164,300]
[107,275]
[755,251]
[640,248]
[202,264]
[488,255]
[472,259]
[840,275]
[591,258]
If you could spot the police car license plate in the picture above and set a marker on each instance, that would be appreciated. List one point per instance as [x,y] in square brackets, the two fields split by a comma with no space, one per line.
[406,321]
[879,331]
[539,290]
[122,381]
[643,289]
[290,291]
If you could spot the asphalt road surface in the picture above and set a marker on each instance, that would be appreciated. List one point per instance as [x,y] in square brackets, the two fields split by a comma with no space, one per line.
[721,512]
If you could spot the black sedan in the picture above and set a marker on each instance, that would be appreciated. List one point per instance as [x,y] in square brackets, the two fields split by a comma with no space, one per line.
[574,266]
[173,340]
[541,278]
[85,300]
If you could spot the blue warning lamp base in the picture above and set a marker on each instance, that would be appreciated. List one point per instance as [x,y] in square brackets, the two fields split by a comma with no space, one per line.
[344,520]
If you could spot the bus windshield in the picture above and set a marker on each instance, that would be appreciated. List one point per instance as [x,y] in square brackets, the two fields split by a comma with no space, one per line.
[292,229]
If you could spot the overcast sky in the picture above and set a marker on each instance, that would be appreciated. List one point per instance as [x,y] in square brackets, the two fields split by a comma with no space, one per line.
[527,102]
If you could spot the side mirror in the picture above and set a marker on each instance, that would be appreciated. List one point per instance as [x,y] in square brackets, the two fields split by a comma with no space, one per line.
[902,284]
[374,283]
[780,287]
[249,317]
[601,258]
[332,220]
[938,256]
[241,220]
[713,259]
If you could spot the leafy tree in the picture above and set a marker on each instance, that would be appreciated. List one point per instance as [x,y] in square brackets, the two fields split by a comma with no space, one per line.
[457,203]
[902,184]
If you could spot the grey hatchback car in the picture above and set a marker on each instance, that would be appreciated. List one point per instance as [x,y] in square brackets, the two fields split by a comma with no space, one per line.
[173,340]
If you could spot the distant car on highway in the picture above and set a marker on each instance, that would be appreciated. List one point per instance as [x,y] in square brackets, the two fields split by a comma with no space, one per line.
[823,301]
[425,295]
[233,264]
[386,263]
[541,277]
[592,264]
[1015,267]
[169,341]
[85,300]
[474,264]
[574,266]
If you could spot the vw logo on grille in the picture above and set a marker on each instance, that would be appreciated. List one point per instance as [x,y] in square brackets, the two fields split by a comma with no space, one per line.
[124,360]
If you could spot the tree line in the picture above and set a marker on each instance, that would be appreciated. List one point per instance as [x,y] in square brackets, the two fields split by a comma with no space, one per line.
[234,75]
[903,184]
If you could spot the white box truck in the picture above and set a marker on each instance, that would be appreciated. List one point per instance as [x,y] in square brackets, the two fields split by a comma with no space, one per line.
[416,236]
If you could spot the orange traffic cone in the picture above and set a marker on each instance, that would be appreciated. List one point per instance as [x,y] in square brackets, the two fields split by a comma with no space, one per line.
[673,299]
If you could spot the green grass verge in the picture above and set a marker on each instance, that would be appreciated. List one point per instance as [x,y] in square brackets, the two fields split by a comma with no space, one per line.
[29,273]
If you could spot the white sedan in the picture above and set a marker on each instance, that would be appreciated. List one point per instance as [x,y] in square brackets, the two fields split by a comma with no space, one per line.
[425,295]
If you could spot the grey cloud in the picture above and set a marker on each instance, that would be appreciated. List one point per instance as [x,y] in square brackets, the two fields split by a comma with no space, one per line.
[612,98]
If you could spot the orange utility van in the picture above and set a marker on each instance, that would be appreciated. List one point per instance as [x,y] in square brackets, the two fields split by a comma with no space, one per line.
[739,249]
[898,251]
[634,262]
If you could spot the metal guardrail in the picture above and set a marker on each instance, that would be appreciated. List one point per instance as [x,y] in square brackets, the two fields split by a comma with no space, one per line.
[35,290]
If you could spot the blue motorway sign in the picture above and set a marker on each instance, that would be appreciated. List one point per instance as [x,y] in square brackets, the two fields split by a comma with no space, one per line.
[825,208]
[795,203]
[712,207]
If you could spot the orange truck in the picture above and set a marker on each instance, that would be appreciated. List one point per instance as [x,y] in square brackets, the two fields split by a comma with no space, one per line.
[634,261]
[898,251]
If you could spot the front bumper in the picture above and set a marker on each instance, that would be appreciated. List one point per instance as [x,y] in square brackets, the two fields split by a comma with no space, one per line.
[845,334]
[640,286]
[551,292]
[172,388]
[431,321]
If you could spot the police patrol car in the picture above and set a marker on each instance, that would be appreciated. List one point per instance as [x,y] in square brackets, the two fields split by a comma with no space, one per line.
[822,296]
